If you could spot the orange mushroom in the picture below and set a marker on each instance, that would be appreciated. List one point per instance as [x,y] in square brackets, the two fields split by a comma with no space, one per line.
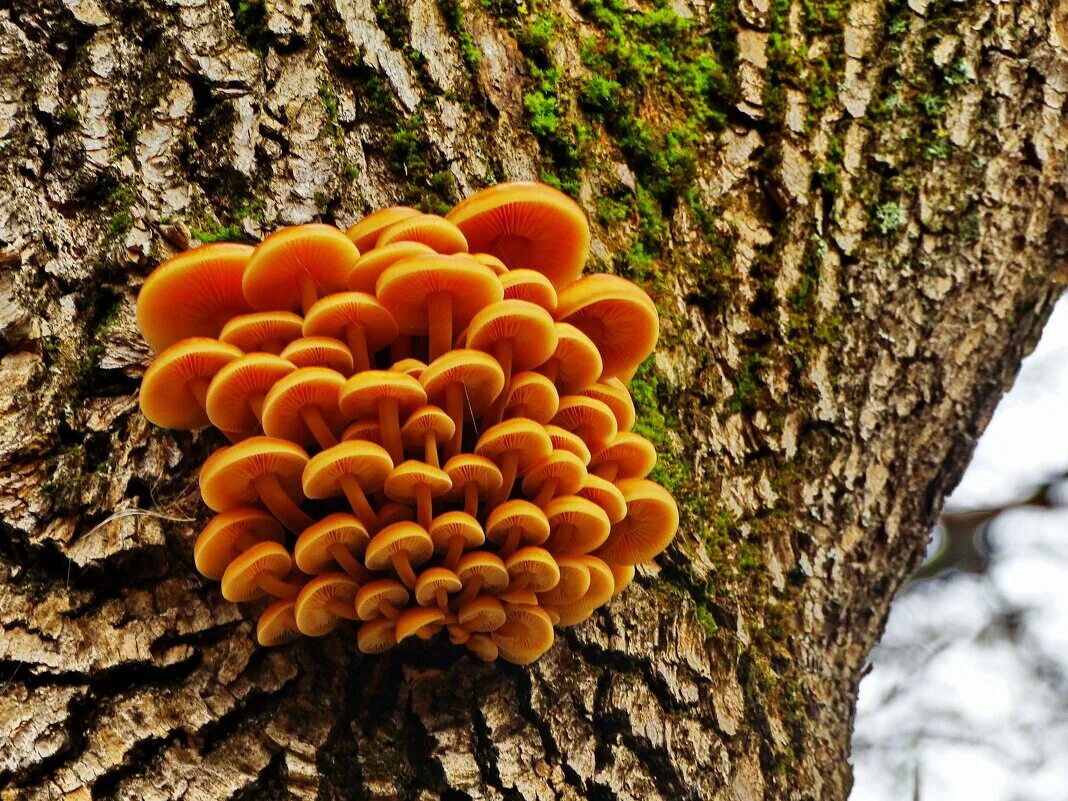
[364,233]
[262,332]
[415,482]
[499,267]
[578,525]
[576,362]
[174,390]
[602,585]
[482,614]
[516,523]
[324,602]
[589,418]
[382,598]
[481,570]
[358,319]
[368,430]
[453,533]
[399,546]
[531,568]
[567,441]
[615,395]
[387,394]
[435,232]
[526,634]
[651,522]
[319,352]
[474,478]
[514,445]
[533,396]
[235,395]
[531,286]
[483,647]
[628,455]
[302,407]
[562,473]
[278,624]
[425,429]
[376,636]
[459,380]
[295,266]
[573,585]
[230,533]
[338,539]
[365,274]
[422,620]
[409,366]
[623,575]
[259,571]
[435,585]
[390,513]
[527,225]
[193,294]
[606,495]
[353,469]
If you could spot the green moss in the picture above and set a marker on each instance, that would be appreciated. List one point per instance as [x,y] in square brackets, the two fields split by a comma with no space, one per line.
[454,19]
[411,158]
[250,19]
[653,400]
[888,218]
[337,132]
[225,225]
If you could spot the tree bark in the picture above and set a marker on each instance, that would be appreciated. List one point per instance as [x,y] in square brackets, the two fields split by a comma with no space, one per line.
[852,216]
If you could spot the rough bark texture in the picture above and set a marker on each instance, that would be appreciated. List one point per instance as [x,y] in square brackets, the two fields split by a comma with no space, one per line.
[852,215]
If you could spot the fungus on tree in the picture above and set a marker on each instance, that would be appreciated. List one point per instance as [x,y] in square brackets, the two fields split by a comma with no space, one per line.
[464,383]
[259,571]
[262,332]
[364,233]
[425,430]
[516,523]
[437,233]
[235,397]
[302,407]
[514,445]
[387,395]
[416,483]
[364,275]
[578,525]
[338,539]
[174,390]
[651,522]
[354,469]
[229,534]
[533,396]
[453,533]
[356,318]
[324,602]
[576,362]
[278,624]
[326,352]
[474,479]
[401,547]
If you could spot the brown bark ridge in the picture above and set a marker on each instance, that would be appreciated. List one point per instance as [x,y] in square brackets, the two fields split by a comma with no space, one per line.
[852,214]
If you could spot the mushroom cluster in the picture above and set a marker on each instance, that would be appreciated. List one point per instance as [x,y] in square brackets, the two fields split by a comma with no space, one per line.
[430,425]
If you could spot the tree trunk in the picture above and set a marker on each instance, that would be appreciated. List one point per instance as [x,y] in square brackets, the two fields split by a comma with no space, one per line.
[852,216]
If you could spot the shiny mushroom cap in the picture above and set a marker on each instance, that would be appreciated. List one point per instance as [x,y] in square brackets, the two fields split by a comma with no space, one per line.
[365,274]
[615,395]
[330,316]
[563,440]
[315,253]
[392,512]
[602,585]
[478,373]
[418,620]
[562,467]
[529,328]
[530,286]
[364,233]
[651,522]
[527,226]
[482,646]
[373,594]
[319,352]
[218,543]
[174,388]
[314,615]
[312,550]
[368,430]
[435,232]
[469,468]
[361,395]
[193,294]
[307,387]
[589,418]
[239,581]
[367,462]
[578,525]
[405,538]
[482,614]
[535,564]
[376,636]
[258,330]
[623,575]
[487,567]
[423,421]
[533,396]
[405,288]
[524,437]
[576,363]
[499,267]
[278,624]
[629,455]
[228,476]
[230,397]
[519,515]
[433,579]
[449,525]
[606,495]
[403,483]
[574,582]
[409,366]
[526,634]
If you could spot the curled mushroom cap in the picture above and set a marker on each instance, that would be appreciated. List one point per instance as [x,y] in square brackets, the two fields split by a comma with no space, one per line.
[615,395]
[425,429]
[482,646]
[355,469]
[399,546]
[235,396]
[228,534]
[419,620]
[381,598]
[483,614]
[355,317]
[368,430]
[602,585]
[387,395]
[589,418]
[264,332]
[453,533]
[526,634]
[174,390]
[294,266]
[576,362]
[302,407]
[365,274]
[319,352]
[465,383]
[474,478]
[514,445]
[418,483]
[278,624]
[499,267]
[606,495]
[324,602]
[435,585]
[562,473]
[530,286]
[516,523]
[578,525]
[409,366]
[337,539]
[563,440]
[574,582]
[364,233]
[651,522]
[533,396]
[527,225]
[618,316]
[431,230]
[628,455]
[193,295]
[257,572]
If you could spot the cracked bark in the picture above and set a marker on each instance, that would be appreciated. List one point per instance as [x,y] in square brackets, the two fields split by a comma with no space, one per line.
[818,430]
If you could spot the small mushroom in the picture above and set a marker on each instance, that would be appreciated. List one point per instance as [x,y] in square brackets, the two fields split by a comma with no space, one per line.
[483,647]
[651,522]
[387,395]
[602,585]
[573,585]
[364,233]
[358,319]
[259,571]
[425,429]
[620,319]
[628,455]
[567,441]
[615,395]
[259,470]
[531,568]
[474,478]
[482,614]
[562,473]
[174,390]
[463,380]
[399,546]
[230,533]
[376,636]
[295,266]
[422,620]
[278,624]
[435,585]
[578,525]
[527,225]
[481,570]
[499,267]
[453,533]
[235,395]
[514,445]
[531,286]
[368,430]
[365,274]
[527,633]
[353,469]
[409,366]
[338,539]
[533,396]
[193,294]
[590,419]
[303,408]
[262,332]
[435,232]
[382,598]
[324,602]
[606,495]
[418,483]
[325,352]
[516,523]
[623,575]
[576,362]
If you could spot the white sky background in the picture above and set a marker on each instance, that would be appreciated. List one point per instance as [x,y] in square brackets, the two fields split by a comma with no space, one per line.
[968,696]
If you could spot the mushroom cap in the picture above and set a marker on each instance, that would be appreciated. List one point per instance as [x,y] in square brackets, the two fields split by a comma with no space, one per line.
[166,395]
[371,594]
[278,624]
[527,225]
[193,294]
[618,316]
[405,537]
[431,230]
[615,395]
[633,455]
[367,462]
[239,578]
[485,564]
[484,613]
[303,388]
[593,417]
[236,383]
[574,582]
[606,495]
[538,564]
[527,438]
[499,267]
[417,619]
[589,522]
[412,367]
[365,274]
[433,579]
[467,468]
[405,287]
[313,618]
[527,633]
[479,373]
[312,551]
[482,646]
[250,331]
[364,233]
[216,545]
[563,466]
[533,396]
[392,512]
[330,316]
[651,522]
[427,420]
[319,352]
[227,476]
[376,636]
[563,440]
[602,585]
[277,265]
[360,396]
[528,518]
[531,286]
[403,482]
[368,430]
[579,362]
[530,329]
[623,576]
[448,525]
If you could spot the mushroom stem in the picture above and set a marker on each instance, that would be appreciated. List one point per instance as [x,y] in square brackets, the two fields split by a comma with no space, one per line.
[404,569]
[509,466]
[336,606]
[424,505]
[256,404]
[389,423]
[386,609]
[308,292]
[439,312]
[359,503]
[280,504]
[357,340]
[313,419]
[340,554]
[430,450]
[276,587]
[454,407]
[441,597]
[470,591]
[401,348]
[520,583]
[471,498]
[199,388]
[456,549]
[548,490]
[608,471]
[551,369]
[510,544]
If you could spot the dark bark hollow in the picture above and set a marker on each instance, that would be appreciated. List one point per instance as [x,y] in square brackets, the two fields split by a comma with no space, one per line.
[852,216]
